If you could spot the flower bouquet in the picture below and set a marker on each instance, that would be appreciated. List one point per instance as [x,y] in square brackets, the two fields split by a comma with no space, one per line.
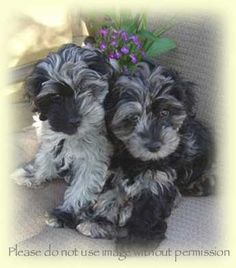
[126,40]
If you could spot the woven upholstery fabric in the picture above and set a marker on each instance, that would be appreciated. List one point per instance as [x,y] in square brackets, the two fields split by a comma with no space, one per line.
[196,221]
[197,58]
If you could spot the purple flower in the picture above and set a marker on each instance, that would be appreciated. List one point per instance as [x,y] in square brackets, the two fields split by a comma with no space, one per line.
[138,45]
[111,55]
[143,53]
[125,50]
[103,46]
[133,58]
[136,41]
[114,43]
[124,36]
[117,55]
[103,32]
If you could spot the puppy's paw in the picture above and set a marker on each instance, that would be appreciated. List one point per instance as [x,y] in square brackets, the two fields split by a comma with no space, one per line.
[23,178]
[53,221]
[96,230]
[204,186]
[85,228]
[63,218]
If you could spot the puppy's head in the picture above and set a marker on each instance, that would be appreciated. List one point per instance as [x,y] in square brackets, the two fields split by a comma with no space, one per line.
[147,110]
[68,88]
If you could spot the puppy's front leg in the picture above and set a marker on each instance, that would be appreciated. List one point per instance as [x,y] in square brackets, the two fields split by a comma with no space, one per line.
[25,175]
[147,224]
[86,183]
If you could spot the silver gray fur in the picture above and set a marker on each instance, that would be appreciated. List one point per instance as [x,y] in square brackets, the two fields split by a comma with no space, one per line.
[86,154]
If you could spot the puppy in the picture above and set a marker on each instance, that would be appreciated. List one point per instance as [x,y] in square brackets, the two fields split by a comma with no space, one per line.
[68,89]
[159,150]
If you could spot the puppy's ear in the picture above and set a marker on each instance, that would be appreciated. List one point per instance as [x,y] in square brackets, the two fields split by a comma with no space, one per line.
[100,63]
[98,88]
[184,92]
[144,69]
[89,42]
[33,84]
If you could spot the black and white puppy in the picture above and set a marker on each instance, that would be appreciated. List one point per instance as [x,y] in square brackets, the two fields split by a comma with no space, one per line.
[159,149]
[68,88]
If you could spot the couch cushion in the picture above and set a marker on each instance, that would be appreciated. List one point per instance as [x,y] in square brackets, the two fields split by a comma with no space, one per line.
[195,223]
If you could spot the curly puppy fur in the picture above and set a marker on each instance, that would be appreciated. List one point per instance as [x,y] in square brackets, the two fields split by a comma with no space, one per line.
[159,150]
[68,88]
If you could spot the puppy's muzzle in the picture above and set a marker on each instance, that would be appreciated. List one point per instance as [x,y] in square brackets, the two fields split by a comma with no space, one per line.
[153,146]
[75,122]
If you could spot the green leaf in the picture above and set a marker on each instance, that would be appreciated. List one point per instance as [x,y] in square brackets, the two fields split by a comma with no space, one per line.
[160,46]
[144,34]
[130,24]
[125,19]
[129,28]
[139,21]
[143,22]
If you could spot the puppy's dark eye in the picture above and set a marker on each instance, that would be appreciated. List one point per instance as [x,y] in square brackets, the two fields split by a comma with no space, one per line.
[56,98]
[164,113]
[133,118]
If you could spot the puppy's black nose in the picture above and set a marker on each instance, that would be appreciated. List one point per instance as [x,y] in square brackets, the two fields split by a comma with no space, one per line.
[153,146]
[75,122]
